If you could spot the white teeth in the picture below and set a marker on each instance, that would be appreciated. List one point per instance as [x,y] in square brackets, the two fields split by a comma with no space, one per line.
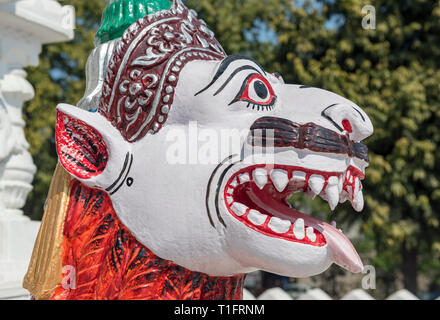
[332,192]
[357,186]
[316,183]
[279,179]
[343,197]
[358,202]
[278,225]
[239,209]
[311,234]
[332,196]
[260,177]
[244,177]
[299,176]
[333,181]
[256,217]
[298,229]
[341,184]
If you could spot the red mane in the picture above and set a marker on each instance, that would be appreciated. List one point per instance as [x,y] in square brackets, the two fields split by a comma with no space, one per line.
[110,263]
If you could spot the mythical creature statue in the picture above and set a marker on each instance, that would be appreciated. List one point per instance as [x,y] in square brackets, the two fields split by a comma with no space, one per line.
[125,220]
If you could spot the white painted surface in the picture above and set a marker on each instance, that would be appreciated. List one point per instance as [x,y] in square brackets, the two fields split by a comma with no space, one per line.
[275,294]
[24,27]
[402,294]
[314,294]
[247,295]
[357,294]
[46,20]
[13,291]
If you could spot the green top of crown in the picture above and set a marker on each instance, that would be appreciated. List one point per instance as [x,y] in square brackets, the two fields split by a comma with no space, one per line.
[120,14]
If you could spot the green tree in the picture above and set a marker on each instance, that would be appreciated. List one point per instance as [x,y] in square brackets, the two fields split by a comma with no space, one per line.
[391,71]
[59,78]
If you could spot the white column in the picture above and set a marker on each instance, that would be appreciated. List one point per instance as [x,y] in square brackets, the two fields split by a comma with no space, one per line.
[24,27]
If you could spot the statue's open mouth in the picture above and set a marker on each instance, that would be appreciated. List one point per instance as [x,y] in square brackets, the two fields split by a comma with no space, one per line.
[258,196]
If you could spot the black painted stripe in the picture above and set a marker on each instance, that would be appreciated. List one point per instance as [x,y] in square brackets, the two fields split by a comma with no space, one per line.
[122,172]
[224,66]
[126,175]
[79,164]
[218,192]
[238,70]
[208,189]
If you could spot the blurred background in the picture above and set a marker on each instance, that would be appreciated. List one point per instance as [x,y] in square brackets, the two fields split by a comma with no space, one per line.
[389,66]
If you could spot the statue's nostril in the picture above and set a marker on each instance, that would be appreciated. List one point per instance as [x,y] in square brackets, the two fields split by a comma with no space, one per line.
[347,125]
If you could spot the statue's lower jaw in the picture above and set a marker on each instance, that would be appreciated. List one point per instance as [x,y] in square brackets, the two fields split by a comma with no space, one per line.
[262,207]
[109,263]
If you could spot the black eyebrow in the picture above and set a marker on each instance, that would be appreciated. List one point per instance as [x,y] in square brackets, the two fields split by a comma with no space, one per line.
[363,118]
[242,68]
[332,121]
[224,66]
[323,114]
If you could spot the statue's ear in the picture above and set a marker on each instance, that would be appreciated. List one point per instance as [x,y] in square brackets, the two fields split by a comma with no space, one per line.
[89,147]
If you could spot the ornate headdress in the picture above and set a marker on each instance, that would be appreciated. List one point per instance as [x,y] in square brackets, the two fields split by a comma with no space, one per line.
[141,77]
[120,14]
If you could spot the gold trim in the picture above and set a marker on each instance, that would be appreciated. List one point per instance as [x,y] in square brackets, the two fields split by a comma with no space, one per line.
[45,268]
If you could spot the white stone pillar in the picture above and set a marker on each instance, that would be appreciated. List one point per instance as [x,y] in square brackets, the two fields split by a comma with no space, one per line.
[24,27]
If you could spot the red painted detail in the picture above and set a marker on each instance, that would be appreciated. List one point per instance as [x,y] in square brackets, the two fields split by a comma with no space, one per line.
[347,125]
[242,193]
[143,73]
[110,264]
[356,172]
[350,177]
[81,149]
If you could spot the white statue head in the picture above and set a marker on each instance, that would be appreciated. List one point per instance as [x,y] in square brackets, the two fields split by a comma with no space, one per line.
[157,146]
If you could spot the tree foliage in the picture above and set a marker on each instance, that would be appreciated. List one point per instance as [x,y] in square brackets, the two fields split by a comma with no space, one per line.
[59,78]
[392,72]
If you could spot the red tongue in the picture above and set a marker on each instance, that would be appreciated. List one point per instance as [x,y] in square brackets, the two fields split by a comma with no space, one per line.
[343,252]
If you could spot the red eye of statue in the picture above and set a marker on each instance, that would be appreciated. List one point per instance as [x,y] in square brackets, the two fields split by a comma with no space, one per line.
[257,91]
